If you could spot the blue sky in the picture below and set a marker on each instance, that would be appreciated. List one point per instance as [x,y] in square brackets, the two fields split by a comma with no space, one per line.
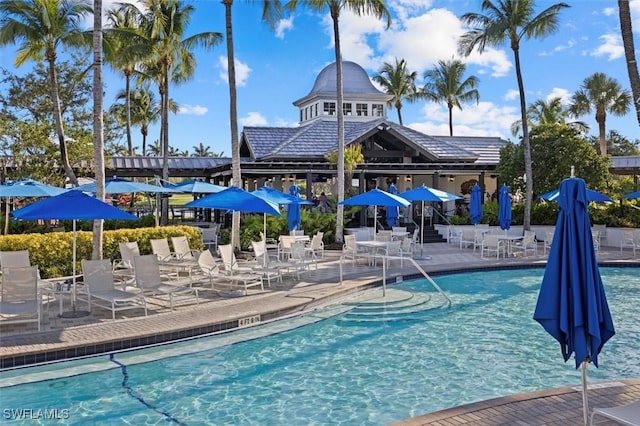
[275,68]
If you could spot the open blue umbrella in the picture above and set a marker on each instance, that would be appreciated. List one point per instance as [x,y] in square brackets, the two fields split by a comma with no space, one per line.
[572,305]
[72,205]
[376,197]
[196,186]
[594,196]
[123,186]
[29,188]
[504,208]
[475,204]
[392,212]
[237,200]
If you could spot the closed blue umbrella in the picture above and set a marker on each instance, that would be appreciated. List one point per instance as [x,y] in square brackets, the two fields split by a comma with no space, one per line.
[475,204]
[572,305]
[293,209]
[72,205]
[392,212]
[504,208]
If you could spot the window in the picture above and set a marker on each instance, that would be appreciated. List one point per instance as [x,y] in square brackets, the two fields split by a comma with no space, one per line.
[377,110]
[316,114]
[362,110]
[329,108]
[346,109]
[306,112]
[300,114]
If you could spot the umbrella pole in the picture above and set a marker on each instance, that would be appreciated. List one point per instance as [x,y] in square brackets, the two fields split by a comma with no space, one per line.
[264,239]
[6,216]
[585,399]
[74,313]
[422,229]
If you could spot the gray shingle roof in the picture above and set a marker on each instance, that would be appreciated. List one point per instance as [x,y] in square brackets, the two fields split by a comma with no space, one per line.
[318,138]
[127,162]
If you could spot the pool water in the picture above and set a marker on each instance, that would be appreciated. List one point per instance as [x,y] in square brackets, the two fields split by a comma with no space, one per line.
[337,372]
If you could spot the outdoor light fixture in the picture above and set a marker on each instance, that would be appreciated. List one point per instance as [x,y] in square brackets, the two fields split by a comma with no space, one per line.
[291,178]
[283,178]
[407,178]
[451,178]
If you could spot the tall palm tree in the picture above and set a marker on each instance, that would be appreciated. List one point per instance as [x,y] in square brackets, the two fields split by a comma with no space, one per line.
[552,111]
[41,27]
[172,60]
[144,110]
[630,53]
[397,82]
[123,40]
[445,85]
[98,130]
[510,21]
[376,8]
[271,12]
[603,94]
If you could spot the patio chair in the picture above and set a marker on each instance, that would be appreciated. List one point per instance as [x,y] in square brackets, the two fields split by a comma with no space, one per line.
[183,251]
[468,237]
[210,238]
[123,268]
[628,240]
[299,258]
[491,243]
[150,281]
[160,247]
[266,266]
[528,244]
[548,239]
[99,287]
[406,247]
[244,274]
[14,259]
[284,246]
[210,267]
[20,299]
[628,414]
[316,245]
[391,251]
[454,234]
[350,250]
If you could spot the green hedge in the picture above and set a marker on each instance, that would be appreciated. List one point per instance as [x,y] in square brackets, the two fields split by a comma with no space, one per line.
[53,251]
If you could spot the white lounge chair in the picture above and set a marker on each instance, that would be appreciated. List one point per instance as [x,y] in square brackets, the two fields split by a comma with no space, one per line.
[241,274]
[316,245]
[628,414]
[171,260]
[160,247]
[99,286]
[20,297]
[490,244]
[211,267]
[150,281]
[210,238]
[14,259]
[123,268]
[182,249]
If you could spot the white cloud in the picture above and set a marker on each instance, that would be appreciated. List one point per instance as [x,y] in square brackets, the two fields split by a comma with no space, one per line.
[192,110]
[284,25]
[609,11]
[253,119]
[512,95]
[483,119]
[634,6]
[285,122]
[611,47]
[570,43]
[242,71]
[563,94]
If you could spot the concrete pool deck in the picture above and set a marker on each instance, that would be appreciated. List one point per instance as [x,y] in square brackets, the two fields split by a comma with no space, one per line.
[68,337]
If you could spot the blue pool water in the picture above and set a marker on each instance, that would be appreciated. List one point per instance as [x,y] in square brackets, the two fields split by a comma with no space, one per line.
[337,372]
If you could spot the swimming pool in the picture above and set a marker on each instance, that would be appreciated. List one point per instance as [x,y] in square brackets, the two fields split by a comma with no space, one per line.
[337,371]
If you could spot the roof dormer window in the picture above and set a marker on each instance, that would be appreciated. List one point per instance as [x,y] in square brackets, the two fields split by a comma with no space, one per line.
[377,110]
[329,108]
[362,110]
[346,108]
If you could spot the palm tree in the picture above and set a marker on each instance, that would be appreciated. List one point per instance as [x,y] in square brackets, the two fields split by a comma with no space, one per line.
[397,82]
[124,54]
[98,130]
[201,150]
[155,148]
[41,27]
[602,94]
[376,8]
[172,59]
[629,53]
[445,85]
[512,21]
[271,12]
[552,111]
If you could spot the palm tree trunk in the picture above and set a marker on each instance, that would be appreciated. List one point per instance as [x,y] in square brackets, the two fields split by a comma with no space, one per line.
[398,108]
[335,11]
[164,204]
[601,118]
[528,168]
[57,115]
[236,173]
[127,106]
[450,107]
[629,53]
[98,117]
[144,131]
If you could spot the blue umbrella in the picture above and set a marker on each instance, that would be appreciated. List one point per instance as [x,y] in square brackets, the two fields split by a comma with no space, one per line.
[124,186]
[631,195]
[504,208]
[572,305]
[237,200]
[196,186]
[376,197]
[72,205]
[475,204]
[293,209]
[392,212]
[278,197]
[591,196]
[29,188]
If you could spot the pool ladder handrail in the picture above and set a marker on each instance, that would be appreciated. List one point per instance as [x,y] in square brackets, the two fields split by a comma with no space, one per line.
[417,266]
